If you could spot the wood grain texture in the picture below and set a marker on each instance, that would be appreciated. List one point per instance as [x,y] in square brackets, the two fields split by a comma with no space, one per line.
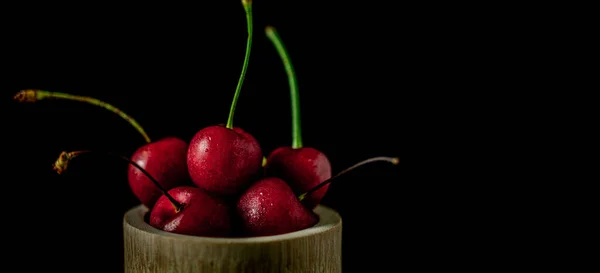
[149,250]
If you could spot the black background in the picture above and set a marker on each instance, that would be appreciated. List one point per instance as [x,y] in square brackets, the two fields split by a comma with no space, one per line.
[375,79]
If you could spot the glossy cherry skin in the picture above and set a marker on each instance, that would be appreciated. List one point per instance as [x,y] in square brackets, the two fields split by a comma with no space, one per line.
[270,207]
[223,161]
[202,215]
[303,169]
[165,160]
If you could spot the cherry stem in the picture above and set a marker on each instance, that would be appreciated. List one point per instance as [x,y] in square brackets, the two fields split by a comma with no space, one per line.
[33,95]
[393,160]
[62,162]
[291,74]
[248,8]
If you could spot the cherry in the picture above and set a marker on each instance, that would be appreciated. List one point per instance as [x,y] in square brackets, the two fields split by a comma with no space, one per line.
[165,159]
[301,167]
[202,214]
[183,209]
[224,159]
[270,207]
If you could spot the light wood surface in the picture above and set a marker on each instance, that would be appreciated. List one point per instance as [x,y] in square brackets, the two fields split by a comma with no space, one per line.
[316,249]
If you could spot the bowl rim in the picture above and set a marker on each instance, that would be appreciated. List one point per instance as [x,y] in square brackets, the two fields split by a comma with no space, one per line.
[329,220]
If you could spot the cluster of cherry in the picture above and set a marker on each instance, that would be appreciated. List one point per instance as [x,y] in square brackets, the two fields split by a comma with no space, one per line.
[219,183]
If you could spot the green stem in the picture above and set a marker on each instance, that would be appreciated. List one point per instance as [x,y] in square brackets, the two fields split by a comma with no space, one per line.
[60,165]
[33,95]
[294,95]
[248,8]
[393,160]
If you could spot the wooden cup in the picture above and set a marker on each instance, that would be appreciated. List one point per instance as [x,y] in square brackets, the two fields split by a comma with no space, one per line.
[150,250]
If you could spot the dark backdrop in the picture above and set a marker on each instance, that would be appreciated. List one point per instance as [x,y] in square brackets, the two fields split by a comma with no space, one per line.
[371,77]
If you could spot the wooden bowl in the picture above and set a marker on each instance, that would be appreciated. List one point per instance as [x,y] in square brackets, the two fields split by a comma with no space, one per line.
[316,249]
